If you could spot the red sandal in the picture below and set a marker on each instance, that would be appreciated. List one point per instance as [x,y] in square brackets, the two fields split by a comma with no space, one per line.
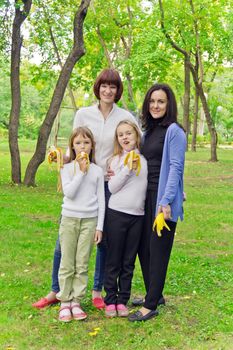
[43,302]
[98,303]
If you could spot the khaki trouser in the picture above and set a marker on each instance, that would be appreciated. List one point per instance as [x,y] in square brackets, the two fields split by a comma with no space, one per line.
[76,239]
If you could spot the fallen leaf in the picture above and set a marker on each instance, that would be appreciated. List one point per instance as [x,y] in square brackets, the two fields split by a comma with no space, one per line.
[93,334]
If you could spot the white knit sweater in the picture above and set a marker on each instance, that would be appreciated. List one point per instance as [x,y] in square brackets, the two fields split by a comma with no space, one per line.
[83,193]
[128,191]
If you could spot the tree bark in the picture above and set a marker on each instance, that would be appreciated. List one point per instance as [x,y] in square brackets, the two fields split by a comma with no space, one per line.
[76,53]
[195,119]
[61,65]
[186,96]
[20,16]
[210,124]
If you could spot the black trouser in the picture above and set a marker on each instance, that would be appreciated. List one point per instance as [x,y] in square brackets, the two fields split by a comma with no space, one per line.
[123,236]
[154,253]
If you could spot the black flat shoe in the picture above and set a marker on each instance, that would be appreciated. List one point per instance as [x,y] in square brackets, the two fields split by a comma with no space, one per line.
[140,301]
[138,316]
[137,301]
[161,301]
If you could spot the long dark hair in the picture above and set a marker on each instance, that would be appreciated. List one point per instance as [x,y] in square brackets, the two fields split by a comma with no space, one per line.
[171,112]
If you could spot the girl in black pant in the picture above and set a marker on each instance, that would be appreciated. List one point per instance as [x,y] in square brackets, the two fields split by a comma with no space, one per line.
[124,217]
[164,146]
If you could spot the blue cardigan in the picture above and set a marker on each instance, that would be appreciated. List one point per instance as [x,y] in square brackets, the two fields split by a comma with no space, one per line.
[170,188]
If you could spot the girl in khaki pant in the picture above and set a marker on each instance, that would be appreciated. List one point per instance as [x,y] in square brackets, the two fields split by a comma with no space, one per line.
[82,221]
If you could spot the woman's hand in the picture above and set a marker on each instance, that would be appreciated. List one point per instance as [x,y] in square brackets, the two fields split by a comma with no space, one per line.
[98,236]
[166,211]
[109,174]
[66,159]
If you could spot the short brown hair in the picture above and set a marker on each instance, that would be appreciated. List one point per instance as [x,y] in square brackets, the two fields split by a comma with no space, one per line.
[86,133]
[109,76]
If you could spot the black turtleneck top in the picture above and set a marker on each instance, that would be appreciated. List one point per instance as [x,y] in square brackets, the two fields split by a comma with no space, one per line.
[152,150]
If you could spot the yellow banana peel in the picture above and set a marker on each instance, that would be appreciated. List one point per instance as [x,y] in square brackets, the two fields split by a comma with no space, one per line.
[159,224]
[56,155]
[132,156]
[83,155]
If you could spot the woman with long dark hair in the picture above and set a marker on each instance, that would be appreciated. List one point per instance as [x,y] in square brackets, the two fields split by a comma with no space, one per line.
[164,145]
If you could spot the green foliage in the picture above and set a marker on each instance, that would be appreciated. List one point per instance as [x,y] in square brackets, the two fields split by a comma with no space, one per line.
[148,57]
[198,290]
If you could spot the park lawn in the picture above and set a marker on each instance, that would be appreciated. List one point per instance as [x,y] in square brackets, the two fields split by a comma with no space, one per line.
[199,310]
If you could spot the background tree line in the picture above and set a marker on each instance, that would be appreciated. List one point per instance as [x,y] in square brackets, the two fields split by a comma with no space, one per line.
[187,44]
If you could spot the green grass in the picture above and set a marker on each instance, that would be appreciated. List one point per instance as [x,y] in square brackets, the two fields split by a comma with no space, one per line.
[199,311]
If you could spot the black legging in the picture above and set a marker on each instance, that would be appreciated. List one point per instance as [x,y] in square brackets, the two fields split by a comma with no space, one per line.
[154,253]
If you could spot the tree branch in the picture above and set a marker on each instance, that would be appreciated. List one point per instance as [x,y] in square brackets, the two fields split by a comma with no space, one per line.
[197,41]
[172,42]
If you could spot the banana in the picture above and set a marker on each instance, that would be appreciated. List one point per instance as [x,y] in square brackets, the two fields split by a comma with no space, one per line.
[131,156]
[159,224]
[56,155]
[82,155]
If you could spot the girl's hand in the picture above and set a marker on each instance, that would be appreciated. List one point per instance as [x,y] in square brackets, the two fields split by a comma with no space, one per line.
[135,164]
[83,164]
[166,211]
[98,236]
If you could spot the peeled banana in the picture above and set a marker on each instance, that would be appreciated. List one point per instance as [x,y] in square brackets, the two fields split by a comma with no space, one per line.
[56,155]
[131,156]
[82,155]
[159,224]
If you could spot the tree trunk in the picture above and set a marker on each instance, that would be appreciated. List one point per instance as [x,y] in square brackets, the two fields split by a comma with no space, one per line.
[130,90]
[76,53]
[195,118]
[61,65]
[57,127]
[186,96]
[20,16]
[211,127]
[210,124]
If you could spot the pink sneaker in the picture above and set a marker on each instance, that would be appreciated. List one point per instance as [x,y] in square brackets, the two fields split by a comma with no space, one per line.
[122,310]
[110,310]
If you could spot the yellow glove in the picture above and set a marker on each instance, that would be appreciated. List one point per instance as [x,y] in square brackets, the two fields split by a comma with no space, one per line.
[83,155]
[160,223]
[132,156]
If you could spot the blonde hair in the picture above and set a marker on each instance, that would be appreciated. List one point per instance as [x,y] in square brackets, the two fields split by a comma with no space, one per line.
[86,133]
[118,150]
